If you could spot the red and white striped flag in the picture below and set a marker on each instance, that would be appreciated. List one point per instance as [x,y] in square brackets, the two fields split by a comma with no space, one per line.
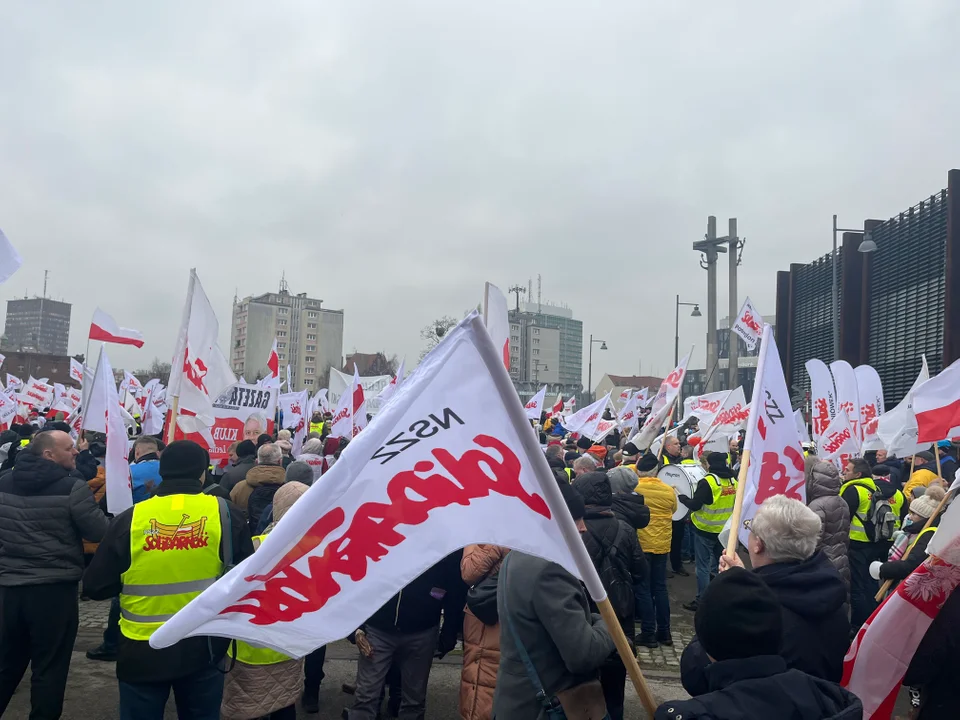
[936,404]
[104,329]
[557,406]
[881,652]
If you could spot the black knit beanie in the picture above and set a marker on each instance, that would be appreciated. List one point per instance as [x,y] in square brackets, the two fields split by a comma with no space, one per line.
[184,459]
[584,443]
[647,463]
[738,616]
[717,461]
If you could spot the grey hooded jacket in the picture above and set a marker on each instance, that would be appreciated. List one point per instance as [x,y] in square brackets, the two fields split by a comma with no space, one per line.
[823,497]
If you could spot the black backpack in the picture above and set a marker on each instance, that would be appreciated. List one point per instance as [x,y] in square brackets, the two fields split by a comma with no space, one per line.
[613,569]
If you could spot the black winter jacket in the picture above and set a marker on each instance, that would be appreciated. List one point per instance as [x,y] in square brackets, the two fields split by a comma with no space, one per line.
[260,498]
[936,664]
[629,508]
[236,473]
[417,607]
[763,687]
[607,536]
[816,631]
[136,661]
[45,513]
[897,570]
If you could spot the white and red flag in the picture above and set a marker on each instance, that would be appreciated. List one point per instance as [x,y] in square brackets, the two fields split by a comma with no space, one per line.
[13,382]
[37,394]
[131,384]
[881,652]
[838,443]
[897,428]
[749,325]
[586,417]
[273,364]
[199,371]
[341,424]
[105,399]
[848,395]
[870,392]
[644,397]
[557,406]
[535,404]
[8,411]
[319,402]
[294,409]
[359,403]
[628,416]
[391,387]
[704,407]
[936,405]
[76,371]
[625,396]
[776,457]
[153,409]
[823,396]
[496,317]
[390,508]
[104,329]
[731,418]
[662,402]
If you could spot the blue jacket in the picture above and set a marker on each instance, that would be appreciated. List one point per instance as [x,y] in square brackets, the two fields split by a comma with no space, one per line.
[145,477]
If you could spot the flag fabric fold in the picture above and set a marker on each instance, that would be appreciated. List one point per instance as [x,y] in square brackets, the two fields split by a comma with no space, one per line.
[535,404]
[936,405]
[661,404]
[823,396]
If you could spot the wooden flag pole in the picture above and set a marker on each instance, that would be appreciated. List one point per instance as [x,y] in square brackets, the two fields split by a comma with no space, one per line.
[738,503]
[627,656]
[172,423]
[666,429]
[936,513]
[936,454]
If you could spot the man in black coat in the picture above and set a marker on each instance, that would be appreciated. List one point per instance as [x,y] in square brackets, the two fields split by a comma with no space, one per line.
[615,551]
[816,631]
[246,459]
[739,623]
[45,512]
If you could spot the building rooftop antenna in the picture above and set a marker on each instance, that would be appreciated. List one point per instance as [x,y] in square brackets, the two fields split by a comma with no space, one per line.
[46,275]
[539,288]
[284,288]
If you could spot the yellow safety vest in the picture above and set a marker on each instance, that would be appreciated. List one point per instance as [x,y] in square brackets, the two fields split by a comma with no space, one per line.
[250,653]
[316,428]
[929,530]
[174,556]
[896,502]
[711,518]
[689,461]
[865,487]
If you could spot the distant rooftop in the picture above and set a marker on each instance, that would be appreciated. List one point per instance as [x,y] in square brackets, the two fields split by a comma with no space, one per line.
[547,309]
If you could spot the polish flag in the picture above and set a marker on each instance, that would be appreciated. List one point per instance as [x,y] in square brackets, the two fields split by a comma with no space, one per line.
[496,318]
[880,654]
[557,406]
[936,404]
[535,403]
[105,329]
[359,403]
[387,511]
[273,363]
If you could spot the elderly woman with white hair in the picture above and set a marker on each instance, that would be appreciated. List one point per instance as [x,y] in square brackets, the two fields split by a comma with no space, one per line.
[782,545]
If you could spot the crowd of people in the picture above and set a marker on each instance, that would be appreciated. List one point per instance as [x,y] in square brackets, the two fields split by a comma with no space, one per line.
[773,623]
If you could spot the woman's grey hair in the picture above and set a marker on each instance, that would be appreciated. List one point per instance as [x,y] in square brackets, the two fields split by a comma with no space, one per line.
[788,528]
[313,447]
[284,435]
[584,463]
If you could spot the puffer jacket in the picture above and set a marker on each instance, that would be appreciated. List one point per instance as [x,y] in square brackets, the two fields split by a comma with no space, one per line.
[481,643]
[823,497]
[661,499]
[920,479]
[98,486]
[45,512]
[607,536]
[258,475]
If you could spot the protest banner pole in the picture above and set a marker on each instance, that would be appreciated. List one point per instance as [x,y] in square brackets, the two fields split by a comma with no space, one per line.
[551,492]
[172,423]
[936,513]
[666,429]
[936,454]
[738,504]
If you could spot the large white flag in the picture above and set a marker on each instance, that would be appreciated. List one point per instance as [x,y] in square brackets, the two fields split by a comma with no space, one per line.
[359,403]
[731,419]
[897,428]
[392,386]
[838,442]
[704,407]
[936,404]
[8,411]
[397,502]
[586,417]
[294,409]
[776,457]
[660,410]
[848,397]
[749,325]
[341,424]
[870,392]
[628,416]
[76,371]
[105,402]
[152,420]
[823,396]
[199,370]
[497,320]
[535,404]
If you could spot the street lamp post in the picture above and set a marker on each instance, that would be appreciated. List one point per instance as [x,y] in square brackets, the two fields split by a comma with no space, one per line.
[603,346]
[867,246]
[676,336]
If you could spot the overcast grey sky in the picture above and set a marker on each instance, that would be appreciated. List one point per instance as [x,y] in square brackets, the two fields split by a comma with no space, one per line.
[392,156]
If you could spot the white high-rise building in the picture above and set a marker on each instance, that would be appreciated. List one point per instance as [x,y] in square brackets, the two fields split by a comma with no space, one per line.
[309,337]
